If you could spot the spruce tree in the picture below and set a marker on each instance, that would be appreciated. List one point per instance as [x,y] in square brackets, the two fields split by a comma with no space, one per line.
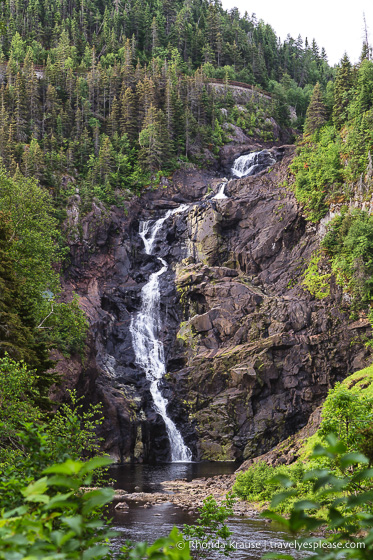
[316,112]
[127,118]
[343,85]
[18,336]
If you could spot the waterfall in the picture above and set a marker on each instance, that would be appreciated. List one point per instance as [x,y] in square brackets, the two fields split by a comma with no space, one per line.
[220,194]
[252,163]
[145,327]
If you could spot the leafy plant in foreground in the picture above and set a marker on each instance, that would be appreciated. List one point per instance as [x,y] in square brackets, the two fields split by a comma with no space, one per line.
[210,525]
[349,515]
[59,521]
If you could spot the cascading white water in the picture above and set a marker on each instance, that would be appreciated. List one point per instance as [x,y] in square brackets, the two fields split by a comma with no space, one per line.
[220,194]
[145,327]
[252,163]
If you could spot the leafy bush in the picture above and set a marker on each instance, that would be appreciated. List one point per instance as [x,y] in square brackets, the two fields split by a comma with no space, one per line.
[316,283]
[211,525]
[60,520]
[57,521]
[345,413]
[349,242]
[257,484]
[65,326]
[349,519]
[72,431]
[29,446]
[318,172]
[33,245]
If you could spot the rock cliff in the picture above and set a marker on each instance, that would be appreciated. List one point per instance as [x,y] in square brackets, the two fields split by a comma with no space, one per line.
[250,354]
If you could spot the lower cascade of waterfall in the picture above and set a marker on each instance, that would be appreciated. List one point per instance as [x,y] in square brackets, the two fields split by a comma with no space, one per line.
[220,195]
[145,328]
[252,163]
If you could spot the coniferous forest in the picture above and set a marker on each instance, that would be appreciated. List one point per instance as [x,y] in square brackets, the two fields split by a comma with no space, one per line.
[103,101]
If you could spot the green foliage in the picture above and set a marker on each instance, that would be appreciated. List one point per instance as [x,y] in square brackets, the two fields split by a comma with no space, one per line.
[72,430]
[17,336]
[30,236]
[126,92]
[316,283]
[343,85]
[346,411]
[173,547]
[349,242]
[316,112]
[260,482]
[34,231]
[332,161]
[57,520]
[318,172]
[348,519]
[27,445]
[18,397]
[65,325]
[211,525]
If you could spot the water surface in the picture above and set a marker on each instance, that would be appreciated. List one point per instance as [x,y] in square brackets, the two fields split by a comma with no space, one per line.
[252,537]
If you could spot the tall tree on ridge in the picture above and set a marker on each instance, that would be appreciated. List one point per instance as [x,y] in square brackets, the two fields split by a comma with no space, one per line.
[343,85]
[316,112]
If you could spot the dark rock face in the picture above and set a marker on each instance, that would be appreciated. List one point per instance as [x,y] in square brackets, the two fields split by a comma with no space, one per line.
[261,353]
[249,354]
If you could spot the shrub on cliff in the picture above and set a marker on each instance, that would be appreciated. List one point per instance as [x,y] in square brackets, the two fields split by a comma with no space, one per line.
[318,172]
[349,244]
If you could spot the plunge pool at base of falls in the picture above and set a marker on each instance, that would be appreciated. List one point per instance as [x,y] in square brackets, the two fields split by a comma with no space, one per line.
[254,537]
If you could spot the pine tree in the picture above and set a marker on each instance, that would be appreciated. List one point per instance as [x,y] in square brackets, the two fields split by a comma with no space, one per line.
[17,335]
[113,121]
[20,108]
[31,92]
[127,119]
[153,140]
[316,112]
[33,160]
[104,164]
[127,68]
[146,98]
[366,49]
[3,132]
[343,85]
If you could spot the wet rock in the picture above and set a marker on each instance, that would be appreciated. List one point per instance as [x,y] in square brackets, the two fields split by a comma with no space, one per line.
[121,506]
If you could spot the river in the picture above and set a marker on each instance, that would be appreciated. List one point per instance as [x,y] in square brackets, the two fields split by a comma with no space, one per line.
[251,537]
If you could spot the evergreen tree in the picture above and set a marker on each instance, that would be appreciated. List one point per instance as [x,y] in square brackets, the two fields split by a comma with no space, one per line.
[15,337]
[316,112]
[153,140]
[17,329]
[128,121]
[343,85]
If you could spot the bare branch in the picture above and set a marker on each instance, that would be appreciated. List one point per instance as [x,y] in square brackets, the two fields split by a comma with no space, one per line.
[45,318]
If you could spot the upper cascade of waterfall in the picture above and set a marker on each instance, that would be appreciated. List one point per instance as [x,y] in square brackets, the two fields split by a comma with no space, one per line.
[145,330]
[220,195]
[252,163]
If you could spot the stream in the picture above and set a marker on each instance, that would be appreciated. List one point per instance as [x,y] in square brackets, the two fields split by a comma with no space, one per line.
[252,537]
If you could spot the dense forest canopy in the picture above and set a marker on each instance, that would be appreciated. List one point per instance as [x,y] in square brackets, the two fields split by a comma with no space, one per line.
[122,88]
